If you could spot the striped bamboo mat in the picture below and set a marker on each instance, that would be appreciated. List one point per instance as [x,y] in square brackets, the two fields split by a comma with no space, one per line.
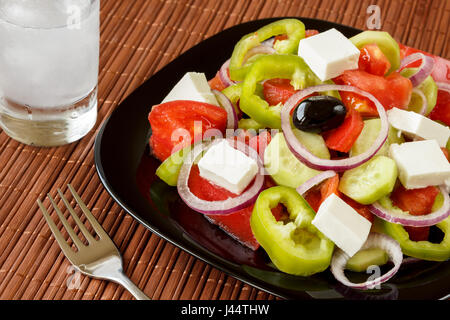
[138,37]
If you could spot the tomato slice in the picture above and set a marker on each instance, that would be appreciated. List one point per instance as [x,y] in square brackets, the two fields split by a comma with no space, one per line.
[359,103]
[418,233]
[392,91]
[416,201]
[446,154]
[343,137]
[260,142]
[277,91]
[280,38]
[441,112]
[318,194]
[182,115]
[216,83]
[311,32]
[373,60]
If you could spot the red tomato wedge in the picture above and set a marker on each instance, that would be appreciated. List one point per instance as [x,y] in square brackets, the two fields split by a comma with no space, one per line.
[392,91]
[216,83]
[359,103]
[311,32]
[373,60]
[260,142]
[446,154]
[441,112]
[343,137]
[280,38]
[277,91]
[416,201]
[236,224]
[176,119]
[318,194]
[418,233]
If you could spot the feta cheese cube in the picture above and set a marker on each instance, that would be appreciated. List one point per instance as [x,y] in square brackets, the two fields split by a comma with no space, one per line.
[417,125]
[342,224]
[329,54]
[420,163]
[227,167]
[193,86]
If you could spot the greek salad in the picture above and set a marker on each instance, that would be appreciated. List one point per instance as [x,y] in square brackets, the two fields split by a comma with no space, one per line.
[324,151]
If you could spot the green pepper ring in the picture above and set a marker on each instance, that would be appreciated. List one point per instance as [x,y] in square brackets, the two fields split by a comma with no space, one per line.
[282,241]
[295,29]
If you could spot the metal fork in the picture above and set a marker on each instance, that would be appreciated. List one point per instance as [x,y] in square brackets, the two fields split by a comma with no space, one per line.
[100,258]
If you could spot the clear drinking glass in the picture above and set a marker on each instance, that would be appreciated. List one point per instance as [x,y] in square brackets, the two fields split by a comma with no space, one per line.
[49,57]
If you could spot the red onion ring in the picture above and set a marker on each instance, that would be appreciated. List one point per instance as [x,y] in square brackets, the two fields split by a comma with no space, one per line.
[310,159]
[223,74]
[232,118]
[375,240]
[261,49]
[423,108]
[315,181]
[223,206]
[425,69]
[414,221]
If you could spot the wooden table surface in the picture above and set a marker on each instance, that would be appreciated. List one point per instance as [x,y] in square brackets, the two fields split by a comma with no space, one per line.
[138,37]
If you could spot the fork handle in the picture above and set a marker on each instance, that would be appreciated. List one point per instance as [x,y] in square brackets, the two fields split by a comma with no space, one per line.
[123,280]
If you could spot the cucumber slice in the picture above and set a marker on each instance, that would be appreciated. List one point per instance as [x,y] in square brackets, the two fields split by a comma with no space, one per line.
[168,170]
[363,259]
[429,89]
[370,181]
[284,167]
[368,136]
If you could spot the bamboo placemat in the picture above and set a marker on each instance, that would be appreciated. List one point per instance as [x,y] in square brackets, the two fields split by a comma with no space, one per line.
[138,37]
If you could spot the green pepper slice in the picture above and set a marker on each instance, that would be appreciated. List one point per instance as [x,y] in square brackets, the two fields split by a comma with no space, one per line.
[168,170]
[274,66]
[384,41]
[295,30]
[295,246]
[418,249]
[233,93]
[421,249]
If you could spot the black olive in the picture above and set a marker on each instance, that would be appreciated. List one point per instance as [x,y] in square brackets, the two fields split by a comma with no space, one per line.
[319,113]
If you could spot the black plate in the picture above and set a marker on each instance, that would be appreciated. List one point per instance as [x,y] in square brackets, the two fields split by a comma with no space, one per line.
[128,173]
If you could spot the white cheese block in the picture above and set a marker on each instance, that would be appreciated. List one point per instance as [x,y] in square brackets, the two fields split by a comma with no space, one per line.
[420,163]
[193,86]
[342,224]
[329,54]
[227,167]
[416,125]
